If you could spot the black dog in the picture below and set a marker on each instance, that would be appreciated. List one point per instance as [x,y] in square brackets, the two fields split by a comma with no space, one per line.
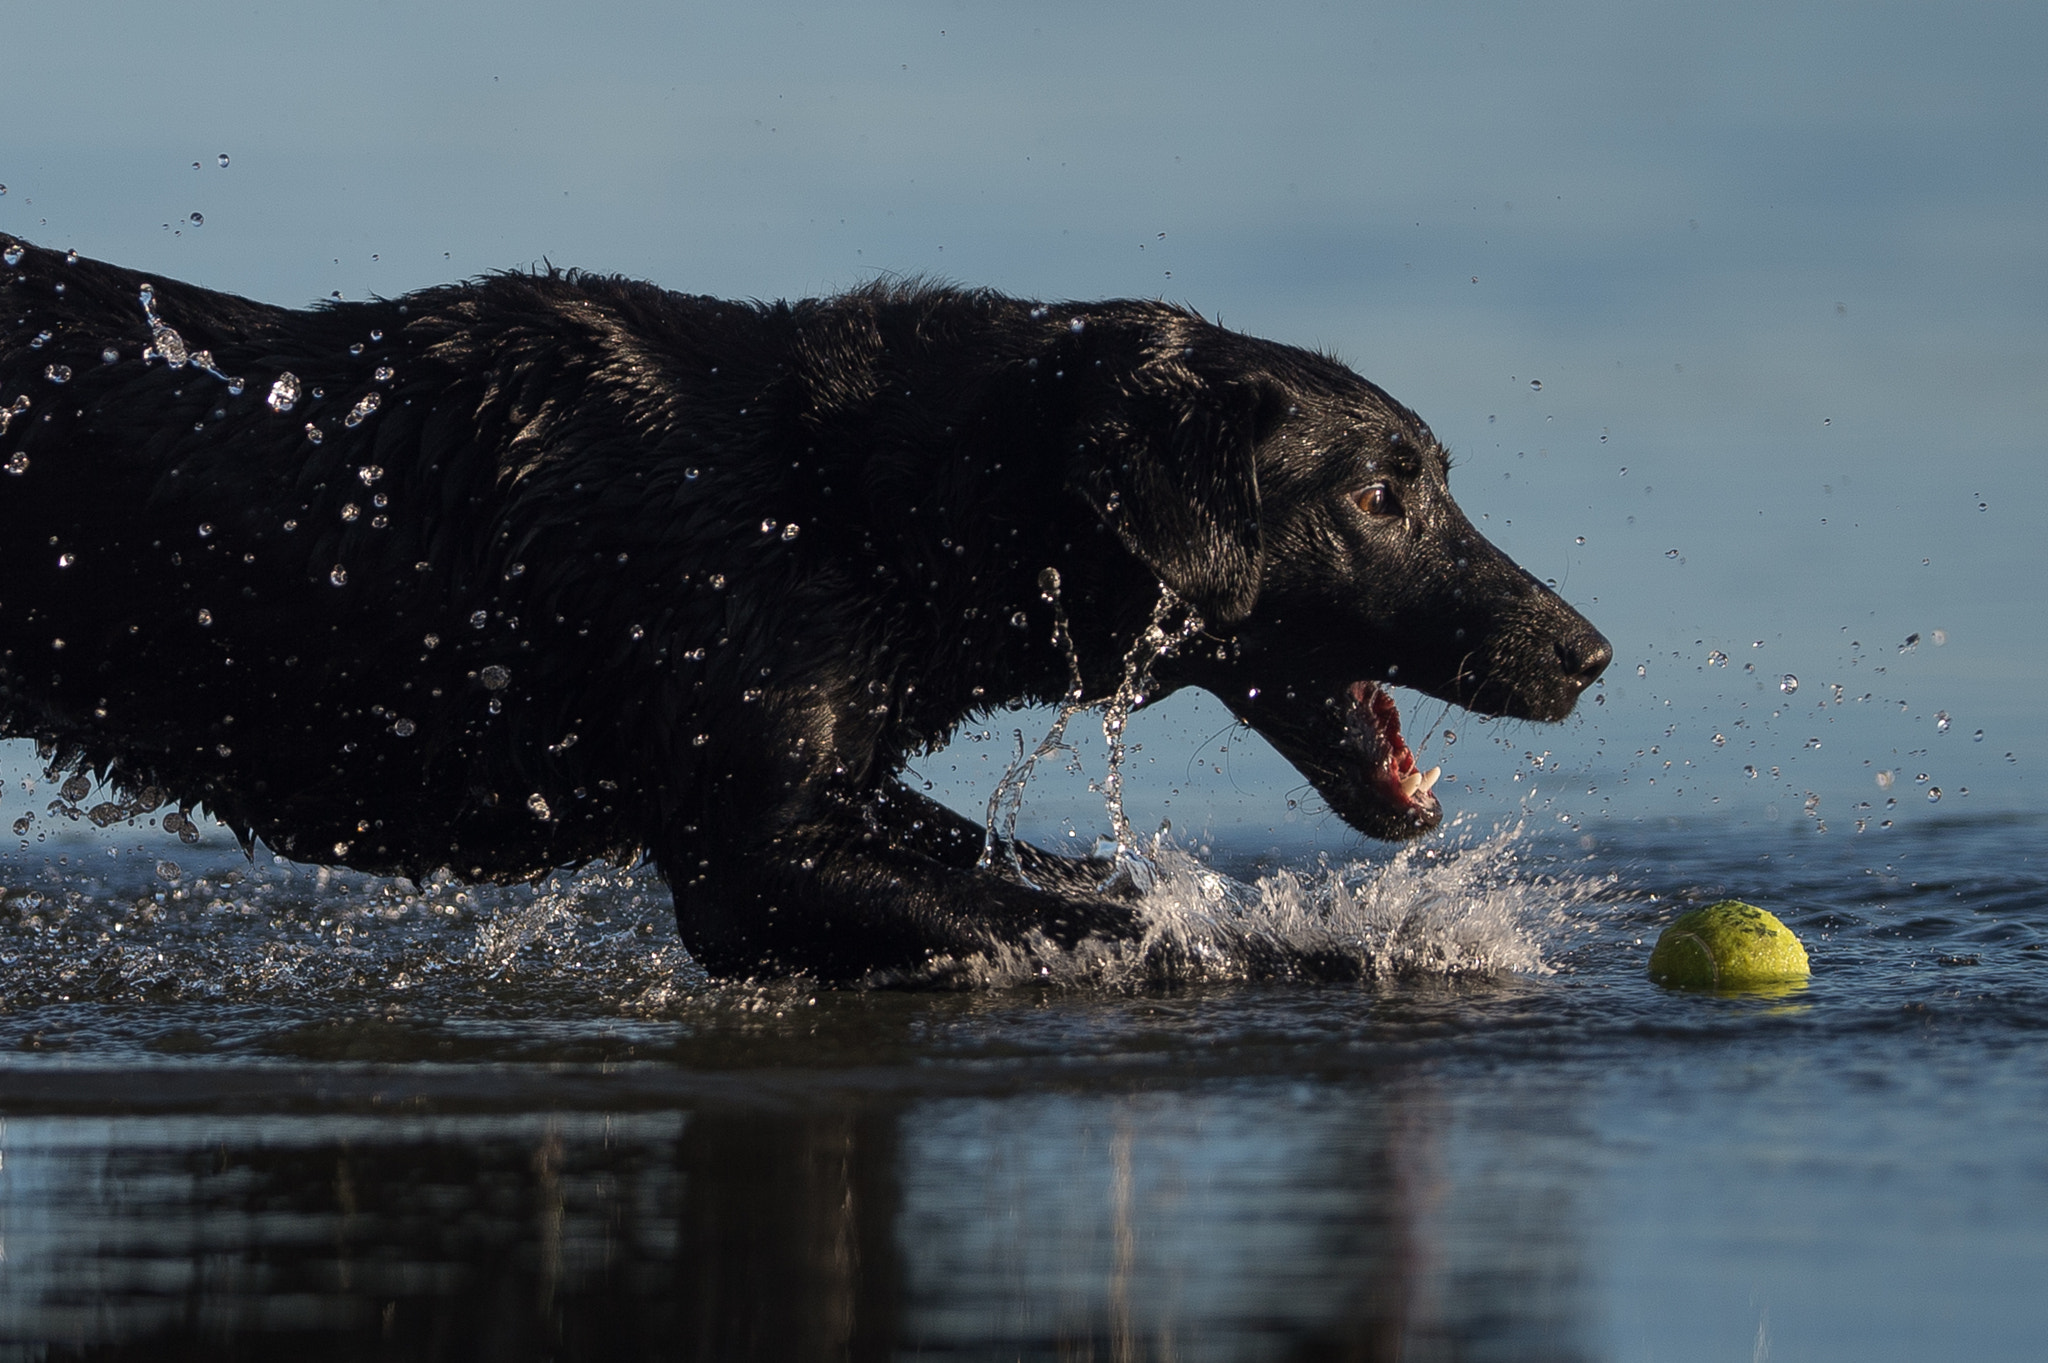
[514,574]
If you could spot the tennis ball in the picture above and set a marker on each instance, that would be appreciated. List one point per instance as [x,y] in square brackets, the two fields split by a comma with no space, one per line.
[1729,945]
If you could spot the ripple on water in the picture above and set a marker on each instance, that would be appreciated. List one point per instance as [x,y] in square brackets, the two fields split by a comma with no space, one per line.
[1479,944]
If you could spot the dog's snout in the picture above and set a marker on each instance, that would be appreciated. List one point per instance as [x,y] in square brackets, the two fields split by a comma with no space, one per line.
[1583,655]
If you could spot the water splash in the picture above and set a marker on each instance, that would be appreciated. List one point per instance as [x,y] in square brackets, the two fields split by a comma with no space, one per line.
[1448,909]
[167,345]
[11,411]
[1153,644]
[1006,802]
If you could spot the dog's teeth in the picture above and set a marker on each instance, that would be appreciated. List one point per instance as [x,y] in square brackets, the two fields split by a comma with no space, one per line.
[1429,778]
[1409,784]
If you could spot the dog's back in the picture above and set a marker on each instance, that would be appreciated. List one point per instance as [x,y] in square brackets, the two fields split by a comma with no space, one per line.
[257,559]
[498,576]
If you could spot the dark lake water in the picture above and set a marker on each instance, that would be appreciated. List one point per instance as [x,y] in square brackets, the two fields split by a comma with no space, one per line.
[256,1110]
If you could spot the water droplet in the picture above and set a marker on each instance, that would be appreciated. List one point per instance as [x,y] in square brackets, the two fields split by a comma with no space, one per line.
[384,373]
[1642,670]
[313,433]
[539,805]
[790,531]
[39,340]
[1020,621]
[1934,795]
[18,465]
[66,560]
[495,677]
[1941,721]
[1912,643]
[222,159]
[1078,325]
[691,475]
[700,740]
[338,576]
[57,373]
[1535,385]
[109,355]
[198,221]
[478,619]
[206,530]
[365,405]
[638,632]
[284,392]
[432,641]
[1788,683]
[404,728]
[717,581]
[1450,737]
[767,527]
[1671,553]
[1940,637]
[236,385]
[1750,772]
[1716,658]
[1581,539]
[351,511]
[205,618]
[1977,737]
[12,255]
[370,473]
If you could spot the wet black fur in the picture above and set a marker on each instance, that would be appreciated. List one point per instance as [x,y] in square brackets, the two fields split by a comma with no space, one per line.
[613,570]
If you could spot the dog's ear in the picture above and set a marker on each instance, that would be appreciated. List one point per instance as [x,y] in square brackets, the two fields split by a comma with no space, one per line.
[1172,469]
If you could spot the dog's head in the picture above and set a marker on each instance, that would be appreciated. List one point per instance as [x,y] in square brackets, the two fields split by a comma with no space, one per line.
[1308,517]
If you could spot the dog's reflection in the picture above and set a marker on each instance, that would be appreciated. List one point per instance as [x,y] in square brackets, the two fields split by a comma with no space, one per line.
[1083,1225]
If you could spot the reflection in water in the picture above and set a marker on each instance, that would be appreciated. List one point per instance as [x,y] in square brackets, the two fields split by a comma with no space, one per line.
[1227,1224]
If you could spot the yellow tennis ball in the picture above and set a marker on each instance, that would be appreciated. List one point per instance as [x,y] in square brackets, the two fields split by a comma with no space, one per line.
[1729,945]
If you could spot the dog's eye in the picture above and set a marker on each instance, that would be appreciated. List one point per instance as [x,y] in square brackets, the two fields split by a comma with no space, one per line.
[1379,500]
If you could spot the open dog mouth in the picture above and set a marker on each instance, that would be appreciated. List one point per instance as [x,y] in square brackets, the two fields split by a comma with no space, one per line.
[1385,770]
[1349,745]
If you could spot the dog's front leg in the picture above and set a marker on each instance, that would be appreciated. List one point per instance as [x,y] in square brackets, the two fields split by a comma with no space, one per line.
[953,839]
[860,892]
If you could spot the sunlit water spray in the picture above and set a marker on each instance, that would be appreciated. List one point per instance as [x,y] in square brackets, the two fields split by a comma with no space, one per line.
[1458,908]
[1462,908]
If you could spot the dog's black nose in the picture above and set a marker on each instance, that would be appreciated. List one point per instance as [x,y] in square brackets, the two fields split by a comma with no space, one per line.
[1583,655]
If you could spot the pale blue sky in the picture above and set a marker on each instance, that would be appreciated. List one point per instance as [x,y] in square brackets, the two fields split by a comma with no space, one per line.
[1780,263]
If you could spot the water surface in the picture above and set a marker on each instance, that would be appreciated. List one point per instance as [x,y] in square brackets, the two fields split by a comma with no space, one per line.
[327,1114]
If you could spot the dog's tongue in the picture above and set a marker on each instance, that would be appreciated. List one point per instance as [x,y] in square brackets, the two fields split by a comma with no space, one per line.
[1393,774]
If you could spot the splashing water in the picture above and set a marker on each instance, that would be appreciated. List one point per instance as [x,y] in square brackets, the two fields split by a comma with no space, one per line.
[167,345]
[1462,909]
[1007,800]
[164,341]
[1148,648]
